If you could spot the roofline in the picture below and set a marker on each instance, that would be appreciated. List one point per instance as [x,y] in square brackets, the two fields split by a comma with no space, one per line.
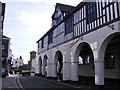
[62,4]
[33,51]
[5,37]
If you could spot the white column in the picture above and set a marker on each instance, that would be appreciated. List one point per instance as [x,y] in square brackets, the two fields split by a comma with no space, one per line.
[38,69]
[54,70]
[99,72]
[49,69]
[66,70]
[43,69]
[74,71]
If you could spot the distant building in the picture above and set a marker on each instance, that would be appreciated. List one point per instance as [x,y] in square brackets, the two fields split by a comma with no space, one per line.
[2,13]
[17,63]
[32,56]
[6,53]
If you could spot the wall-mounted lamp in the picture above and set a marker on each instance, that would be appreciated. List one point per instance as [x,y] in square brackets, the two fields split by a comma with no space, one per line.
[111,26]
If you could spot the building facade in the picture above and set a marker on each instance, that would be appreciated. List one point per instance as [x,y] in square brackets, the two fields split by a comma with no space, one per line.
[84,42]
[32,57]
[2,13]
[17,63]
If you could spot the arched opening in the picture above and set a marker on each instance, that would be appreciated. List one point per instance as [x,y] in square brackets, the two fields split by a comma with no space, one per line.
[40,65]
[112,61]
[110,54]
[45,65]
[59,62]
[84,57]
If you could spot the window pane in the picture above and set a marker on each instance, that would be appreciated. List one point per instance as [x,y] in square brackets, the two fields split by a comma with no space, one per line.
[91,12]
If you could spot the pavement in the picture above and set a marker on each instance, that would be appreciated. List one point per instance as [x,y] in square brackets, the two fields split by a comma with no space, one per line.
[10,82]
[84,86]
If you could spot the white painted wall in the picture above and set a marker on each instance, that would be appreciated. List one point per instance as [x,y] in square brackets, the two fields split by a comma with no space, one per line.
[18,64]
[71,69]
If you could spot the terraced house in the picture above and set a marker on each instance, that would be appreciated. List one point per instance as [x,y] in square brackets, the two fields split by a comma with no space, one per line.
[83,42]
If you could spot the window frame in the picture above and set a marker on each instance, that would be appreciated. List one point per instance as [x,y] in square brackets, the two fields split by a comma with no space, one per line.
[91,12]
[42,43]
[69,25]
[50,37]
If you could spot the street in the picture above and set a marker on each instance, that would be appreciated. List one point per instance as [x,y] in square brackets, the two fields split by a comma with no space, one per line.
[19,82]
[38,82]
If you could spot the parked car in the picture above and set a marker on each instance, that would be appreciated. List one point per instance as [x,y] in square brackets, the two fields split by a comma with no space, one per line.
[4,72]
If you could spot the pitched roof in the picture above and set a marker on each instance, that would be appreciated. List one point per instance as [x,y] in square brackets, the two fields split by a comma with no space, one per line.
[5,37]
[64,8]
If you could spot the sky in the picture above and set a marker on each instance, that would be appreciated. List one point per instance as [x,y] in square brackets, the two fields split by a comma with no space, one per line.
[26,21]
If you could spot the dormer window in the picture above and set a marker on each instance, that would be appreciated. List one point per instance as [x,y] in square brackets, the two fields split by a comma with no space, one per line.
[42,43]
[58,19]
[61,10]
[65,13]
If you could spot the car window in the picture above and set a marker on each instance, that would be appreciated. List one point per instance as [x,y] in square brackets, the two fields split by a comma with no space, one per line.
[3,70]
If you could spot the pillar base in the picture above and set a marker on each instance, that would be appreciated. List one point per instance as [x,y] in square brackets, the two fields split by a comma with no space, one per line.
[101,87]
[54,78]
[48,77]
[43,76]
[38,74]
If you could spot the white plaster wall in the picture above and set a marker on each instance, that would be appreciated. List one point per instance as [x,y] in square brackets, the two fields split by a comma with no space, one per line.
[35,64]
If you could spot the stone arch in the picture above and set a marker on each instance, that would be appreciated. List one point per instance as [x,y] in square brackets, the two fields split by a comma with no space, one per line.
[44,65]
[59,63]
[83,49]
[84,61]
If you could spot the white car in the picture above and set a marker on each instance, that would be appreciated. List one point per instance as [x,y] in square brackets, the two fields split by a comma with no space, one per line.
[4,72]
[32,72]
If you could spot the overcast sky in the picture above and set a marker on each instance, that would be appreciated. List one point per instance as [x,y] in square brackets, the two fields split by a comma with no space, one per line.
[28,20]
